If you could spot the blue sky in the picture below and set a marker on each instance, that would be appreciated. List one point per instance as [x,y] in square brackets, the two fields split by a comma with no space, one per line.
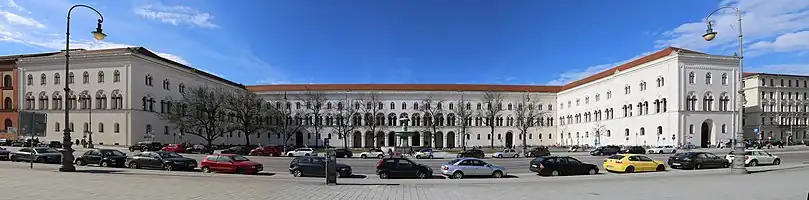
[413,41]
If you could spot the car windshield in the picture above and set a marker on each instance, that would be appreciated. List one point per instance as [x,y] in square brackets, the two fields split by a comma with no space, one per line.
[426,150]
[238,158]
[46,150]
[318,160]
[112,153]
[616,157]
[169,155]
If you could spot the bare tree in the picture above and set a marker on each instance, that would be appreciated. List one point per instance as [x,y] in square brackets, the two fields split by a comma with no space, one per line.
[371,109]
[462,113]
[200,112]
[314,112]
[600,128]
[494,107]
[288,121]
[343,118]
[248,113]
[433,113]
[526,117]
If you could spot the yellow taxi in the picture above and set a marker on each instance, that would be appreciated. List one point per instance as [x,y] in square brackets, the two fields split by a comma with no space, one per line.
[628,163]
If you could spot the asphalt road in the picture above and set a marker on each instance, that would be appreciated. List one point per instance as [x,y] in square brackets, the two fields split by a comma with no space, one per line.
[513,165]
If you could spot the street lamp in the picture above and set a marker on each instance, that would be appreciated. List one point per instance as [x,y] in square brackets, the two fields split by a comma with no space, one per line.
[710,34]
[67,145]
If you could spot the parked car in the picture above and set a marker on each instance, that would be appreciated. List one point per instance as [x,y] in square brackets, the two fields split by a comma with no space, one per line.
[102,157]
[266,151]
[754,158]
[506,153]
[37,154]
[634,150]
[199,149]
[55,144]
[373,153]
[18,143]
[238,150]
[176,148]
[4,153]
[538,151]
[605,150]
[561,166]
[697,160]
[315,166]
[462,167]
[662,150]
[230,163]
[629,163]
[146,146]
[344,153]
[425,153]
[168,161]
[398,167]
[472,153]
[576,148]
[302,152]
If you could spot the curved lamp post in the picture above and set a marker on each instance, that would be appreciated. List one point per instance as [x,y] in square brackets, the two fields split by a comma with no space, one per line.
[738,149]
[67,145]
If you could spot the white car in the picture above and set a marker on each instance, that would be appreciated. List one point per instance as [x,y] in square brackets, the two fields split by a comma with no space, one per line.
[425,153]
[373,153]
[301,152]
[754,158]
[662,150]
[506,153]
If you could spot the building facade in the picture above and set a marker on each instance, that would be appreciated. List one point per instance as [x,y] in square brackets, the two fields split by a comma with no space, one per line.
[671,97]
[115,94]
[776,107]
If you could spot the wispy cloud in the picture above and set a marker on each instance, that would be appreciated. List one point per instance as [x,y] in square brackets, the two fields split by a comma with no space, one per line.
[176,15]
[16,19]
[573,75]
[764,22]
[790,42]
[13,5]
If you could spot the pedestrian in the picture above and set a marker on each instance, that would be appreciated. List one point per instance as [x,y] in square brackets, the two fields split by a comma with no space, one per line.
[77,142]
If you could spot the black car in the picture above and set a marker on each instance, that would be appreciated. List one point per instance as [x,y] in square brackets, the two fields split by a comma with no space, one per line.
[402,168]
[37,154]
[472,153]
[634,150]
[103,158]
[146,146]
[237,150]
[538,151]
[561,165]
[605,150]
[344,153]
[199,149]
[697,160]
[168,161]
[315,166]
[4,153]
[55,144]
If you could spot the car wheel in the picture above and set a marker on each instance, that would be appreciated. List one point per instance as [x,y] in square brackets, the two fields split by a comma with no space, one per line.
[698,166]
[40,160]
[133,165]
[239,170]
[753,163]
[673,151]
[81,162]
[13,159]
[661,152]
[600,154]
[776,162]
[430,157]
[363,156]
[168,167]
[516,155]
[418,156]
[593,171]
[103,164]
[457,175]
[629,169]
[497,174]
[297,173]
[131,149]
[725,165]
[307,155]
[500,156]
[422,175]
[379,156]
[661,168]
[206,170]
[289,155]
[383,175]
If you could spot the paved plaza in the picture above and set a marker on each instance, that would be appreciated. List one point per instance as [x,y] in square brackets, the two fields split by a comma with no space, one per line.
[45,183]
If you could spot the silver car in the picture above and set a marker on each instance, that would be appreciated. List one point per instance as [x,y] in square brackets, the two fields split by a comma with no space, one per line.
[461,167]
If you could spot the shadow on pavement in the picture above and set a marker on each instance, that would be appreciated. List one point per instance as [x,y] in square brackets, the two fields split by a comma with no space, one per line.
[97,171]
[481,177]
[367,184]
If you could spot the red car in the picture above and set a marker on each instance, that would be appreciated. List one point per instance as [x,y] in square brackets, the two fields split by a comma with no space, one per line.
[266,151]
[230,163]
[176,148]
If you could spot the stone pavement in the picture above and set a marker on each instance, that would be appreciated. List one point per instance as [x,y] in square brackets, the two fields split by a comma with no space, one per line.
[20,183]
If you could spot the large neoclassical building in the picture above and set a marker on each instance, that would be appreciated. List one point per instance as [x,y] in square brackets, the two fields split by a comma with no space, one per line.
[670,97]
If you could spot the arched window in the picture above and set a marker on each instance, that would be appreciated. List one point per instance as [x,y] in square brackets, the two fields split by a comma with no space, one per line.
[166,84]
[116,128]
[148,80]
[182,88]
[7,82]
[627,89]
[30,80]
[57,79]
[692,78]
[100,76]
[42,79]
[708,78]
[100,127]
[642,131]
[116,76]
[85,77]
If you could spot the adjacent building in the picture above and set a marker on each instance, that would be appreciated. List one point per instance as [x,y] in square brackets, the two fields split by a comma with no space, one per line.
[10,95]
[776,107]
[115,94]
